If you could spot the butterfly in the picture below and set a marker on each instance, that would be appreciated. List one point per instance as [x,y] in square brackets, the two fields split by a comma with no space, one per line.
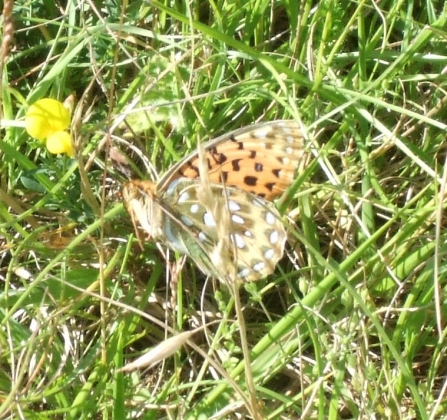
[215,205]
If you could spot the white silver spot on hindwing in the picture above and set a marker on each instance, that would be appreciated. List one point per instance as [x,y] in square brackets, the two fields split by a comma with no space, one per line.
[238,240]
[208,219]
[270,218]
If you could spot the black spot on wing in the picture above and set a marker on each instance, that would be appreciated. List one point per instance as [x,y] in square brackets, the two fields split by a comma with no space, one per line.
[235,164]
[269,186]
[218,157]
[251,180]
[193,167]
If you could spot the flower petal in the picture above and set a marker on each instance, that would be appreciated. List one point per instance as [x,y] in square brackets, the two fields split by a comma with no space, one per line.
[60,142]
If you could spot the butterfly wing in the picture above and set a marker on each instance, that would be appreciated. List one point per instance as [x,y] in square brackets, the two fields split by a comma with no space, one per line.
[260,159]
[253,239]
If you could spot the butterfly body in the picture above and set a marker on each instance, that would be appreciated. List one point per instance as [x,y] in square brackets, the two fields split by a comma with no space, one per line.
[224,219]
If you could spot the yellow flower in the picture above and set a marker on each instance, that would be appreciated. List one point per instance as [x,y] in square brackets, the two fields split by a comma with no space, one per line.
[46,121]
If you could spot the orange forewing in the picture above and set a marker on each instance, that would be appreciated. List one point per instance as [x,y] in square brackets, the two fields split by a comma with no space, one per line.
[261,160]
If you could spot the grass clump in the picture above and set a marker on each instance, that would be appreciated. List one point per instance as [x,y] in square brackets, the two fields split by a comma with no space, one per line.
[351,323]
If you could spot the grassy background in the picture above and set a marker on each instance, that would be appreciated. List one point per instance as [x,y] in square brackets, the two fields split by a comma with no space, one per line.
[351,325]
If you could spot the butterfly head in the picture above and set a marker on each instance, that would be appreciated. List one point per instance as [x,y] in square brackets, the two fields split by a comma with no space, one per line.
[140,201]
